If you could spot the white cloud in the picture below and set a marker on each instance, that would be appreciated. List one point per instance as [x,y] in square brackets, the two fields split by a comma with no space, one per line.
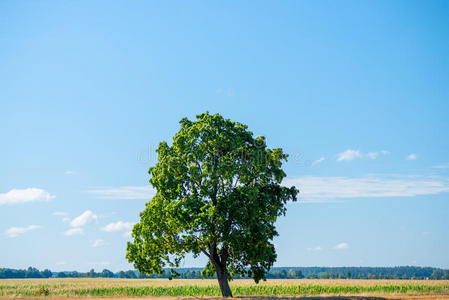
[68,172]
[342,246]
[124,192]
[16,196]
[443,166]
[353,154]
[118,226]
[318,161]
[61,263]
[348,155]
[127,233]
[74,231]
[412,156]
[16,231]
[372,155]
[98,243]
[317,248]
[84,219]
[329,189]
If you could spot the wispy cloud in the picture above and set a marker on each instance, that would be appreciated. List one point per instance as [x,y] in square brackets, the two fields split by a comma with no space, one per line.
[16,196]
[317,248]
[372,155]
[351,154]
[74,231]
[342,246]
[334,188]
[124,192]
[412,156]
[98,243]
[68,172]
[118,226]
[442,166]
[318,161]
[16,231]
[331,189]
[85,218]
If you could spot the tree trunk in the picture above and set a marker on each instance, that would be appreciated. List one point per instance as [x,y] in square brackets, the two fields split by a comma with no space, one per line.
[223,282]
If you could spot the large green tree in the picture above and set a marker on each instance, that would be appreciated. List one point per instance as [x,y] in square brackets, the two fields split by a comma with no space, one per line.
[218,192]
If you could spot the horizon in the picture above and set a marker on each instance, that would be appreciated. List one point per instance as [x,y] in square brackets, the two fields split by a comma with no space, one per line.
[343,272]
[357,95]
[277,267]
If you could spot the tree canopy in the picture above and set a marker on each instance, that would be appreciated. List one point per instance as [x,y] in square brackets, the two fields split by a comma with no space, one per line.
[218,192]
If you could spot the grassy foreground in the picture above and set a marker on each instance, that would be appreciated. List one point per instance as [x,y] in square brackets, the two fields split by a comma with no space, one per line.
[90,287]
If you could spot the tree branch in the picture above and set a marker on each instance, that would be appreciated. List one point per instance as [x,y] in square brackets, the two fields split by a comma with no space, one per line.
[199,242]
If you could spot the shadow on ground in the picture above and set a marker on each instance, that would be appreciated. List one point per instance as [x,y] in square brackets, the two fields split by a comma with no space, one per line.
[358,297]
[314,298]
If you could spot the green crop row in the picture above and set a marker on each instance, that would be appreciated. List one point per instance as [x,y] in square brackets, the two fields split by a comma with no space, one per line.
[194,290]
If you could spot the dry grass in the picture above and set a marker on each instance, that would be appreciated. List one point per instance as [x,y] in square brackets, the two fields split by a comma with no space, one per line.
[106,287]
[118,282]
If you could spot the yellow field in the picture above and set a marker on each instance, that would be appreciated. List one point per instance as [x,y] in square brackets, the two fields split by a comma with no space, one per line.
[112,287]
[118,282]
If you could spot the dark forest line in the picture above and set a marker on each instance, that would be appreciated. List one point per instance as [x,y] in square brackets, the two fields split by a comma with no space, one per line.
[402,272]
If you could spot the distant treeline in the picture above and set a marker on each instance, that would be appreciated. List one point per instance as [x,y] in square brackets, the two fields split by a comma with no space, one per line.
[406,272]
[28,273]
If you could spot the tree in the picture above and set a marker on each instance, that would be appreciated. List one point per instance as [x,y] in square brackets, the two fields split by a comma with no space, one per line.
[437,274]
[32,273]
[75,274]
[92,274]
[46,273]
[446,275]
[218,192]
[107,273]
[130,274]
[121,274]
[298,274]
[291,274]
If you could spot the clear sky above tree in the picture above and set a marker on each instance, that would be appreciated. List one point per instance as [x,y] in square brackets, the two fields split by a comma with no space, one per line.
[355,93]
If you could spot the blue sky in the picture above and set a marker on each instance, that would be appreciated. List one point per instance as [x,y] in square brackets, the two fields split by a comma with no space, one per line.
[357,93]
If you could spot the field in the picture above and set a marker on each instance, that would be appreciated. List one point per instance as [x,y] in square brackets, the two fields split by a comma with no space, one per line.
[102,287]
